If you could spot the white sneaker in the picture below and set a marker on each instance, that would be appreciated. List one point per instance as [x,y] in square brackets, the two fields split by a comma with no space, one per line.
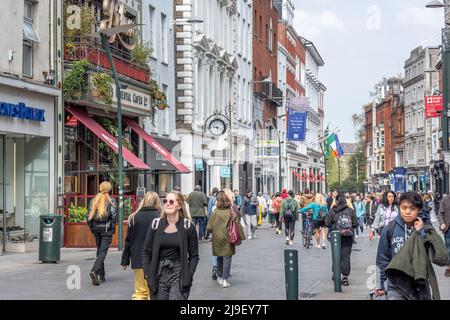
[249,238]
[253,236]
[220,281]
[357,237]
[291,242]
[317,246]
[226,284]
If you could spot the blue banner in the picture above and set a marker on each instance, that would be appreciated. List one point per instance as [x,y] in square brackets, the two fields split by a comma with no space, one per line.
[296,125]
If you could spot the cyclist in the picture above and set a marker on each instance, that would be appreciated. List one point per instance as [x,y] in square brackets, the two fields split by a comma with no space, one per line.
[317,206]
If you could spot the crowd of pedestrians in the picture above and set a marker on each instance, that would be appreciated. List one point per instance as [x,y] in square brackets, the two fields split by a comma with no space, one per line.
[162,241]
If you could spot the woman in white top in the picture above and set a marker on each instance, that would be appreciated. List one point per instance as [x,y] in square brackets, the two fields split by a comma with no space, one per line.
[387,211]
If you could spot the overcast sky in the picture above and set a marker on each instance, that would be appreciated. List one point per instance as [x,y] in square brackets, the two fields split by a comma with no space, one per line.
[361,42]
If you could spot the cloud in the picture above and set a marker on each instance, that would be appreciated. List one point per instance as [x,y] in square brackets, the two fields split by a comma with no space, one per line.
[313,24]
[421,17]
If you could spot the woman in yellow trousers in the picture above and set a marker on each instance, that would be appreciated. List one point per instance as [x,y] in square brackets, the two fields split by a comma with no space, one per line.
[138,224]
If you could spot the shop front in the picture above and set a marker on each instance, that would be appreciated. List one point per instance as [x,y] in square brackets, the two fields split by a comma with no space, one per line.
[27,166]
[399,179]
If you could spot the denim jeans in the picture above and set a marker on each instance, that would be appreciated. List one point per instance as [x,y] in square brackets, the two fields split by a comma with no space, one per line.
[201,221]
[447,242]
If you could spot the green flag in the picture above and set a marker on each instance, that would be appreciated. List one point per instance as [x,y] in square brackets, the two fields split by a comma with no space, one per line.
[326,145]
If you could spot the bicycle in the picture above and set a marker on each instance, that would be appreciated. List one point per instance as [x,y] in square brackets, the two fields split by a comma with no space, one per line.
[308,232]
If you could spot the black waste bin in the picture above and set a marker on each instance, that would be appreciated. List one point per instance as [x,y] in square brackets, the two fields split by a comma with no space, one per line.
[50,238]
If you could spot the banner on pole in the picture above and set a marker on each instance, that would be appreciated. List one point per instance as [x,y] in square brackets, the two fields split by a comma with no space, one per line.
[296,125]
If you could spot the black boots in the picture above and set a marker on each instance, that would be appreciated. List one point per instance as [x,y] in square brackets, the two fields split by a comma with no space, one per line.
[94,278]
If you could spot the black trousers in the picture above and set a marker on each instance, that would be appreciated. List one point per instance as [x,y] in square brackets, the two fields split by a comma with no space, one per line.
[346,250]
[103,241]
[289,223]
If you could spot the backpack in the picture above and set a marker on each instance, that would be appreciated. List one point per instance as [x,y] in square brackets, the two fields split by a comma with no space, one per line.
[390,233]
[155,223]
[322,215]
[344,223]
[289,210]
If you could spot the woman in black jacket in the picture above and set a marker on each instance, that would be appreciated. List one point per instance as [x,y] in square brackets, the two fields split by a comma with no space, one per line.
[138,224]
[342,218]
[171,251]
[102,223]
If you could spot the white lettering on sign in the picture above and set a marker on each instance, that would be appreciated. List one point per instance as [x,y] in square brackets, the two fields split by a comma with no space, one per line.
[111,141]
[159,149]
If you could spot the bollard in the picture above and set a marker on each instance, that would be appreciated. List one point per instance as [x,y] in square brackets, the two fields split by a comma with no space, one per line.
[337,260]
[291,273]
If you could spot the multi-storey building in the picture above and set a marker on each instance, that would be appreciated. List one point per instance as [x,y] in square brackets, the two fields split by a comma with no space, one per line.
[267,97]
[157,33]
[208,83]
[315,91]
[30,120]
[418,139]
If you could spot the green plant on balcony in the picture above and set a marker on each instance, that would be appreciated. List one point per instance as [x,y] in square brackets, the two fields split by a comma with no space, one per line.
[77,214]
[101,88]
[141,54]
[75,84]
[158,99]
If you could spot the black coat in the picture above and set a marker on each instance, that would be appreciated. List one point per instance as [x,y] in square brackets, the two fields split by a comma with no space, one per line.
[106,225]
[333,217]
[188,251]
[136,235]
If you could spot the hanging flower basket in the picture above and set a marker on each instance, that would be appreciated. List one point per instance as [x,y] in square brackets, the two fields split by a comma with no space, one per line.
[161,106]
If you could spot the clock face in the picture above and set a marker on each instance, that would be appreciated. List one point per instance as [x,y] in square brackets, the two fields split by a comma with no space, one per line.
[217,127]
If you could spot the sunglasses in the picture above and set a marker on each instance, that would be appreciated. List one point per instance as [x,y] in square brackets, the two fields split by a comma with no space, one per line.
[170,202]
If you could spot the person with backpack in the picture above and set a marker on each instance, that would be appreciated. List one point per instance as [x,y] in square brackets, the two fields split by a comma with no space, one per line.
[249,209]
[101,220]
[288,214]
[171,251]
[360,210]
[218,225]
[342,218]
[306,199]
[371,209]
[320,211]
[276,205]
[138,224]
[408,247]
[387,211]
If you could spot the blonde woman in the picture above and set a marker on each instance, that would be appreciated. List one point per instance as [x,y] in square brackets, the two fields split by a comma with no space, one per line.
[102,222]
[318,205]
[138,224]
[171,251]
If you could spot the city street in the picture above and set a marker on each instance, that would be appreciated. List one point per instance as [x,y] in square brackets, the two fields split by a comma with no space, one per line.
[257,274]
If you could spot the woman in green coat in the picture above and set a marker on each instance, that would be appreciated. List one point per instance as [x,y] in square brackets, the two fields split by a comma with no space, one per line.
[218,226]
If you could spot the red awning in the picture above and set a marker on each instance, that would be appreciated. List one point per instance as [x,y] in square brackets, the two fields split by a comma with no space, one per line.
[299,176]
[155,145]
[317,178]
[100,132]
[305,174]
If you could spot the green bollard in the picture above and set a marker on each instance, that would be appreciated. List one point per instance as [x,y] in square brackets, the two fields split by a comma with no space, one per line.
[291,273]
[337,260]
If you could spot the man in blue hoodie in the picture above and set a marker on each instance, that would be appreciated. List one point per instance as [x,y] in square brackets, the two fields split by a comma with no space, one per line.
[395,235]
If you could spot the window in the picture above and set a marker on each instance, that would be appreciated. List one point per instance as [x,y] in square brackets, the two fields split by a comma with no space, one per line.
[164,56]
[152,31]
[260,27]
[27,63]
[270,35]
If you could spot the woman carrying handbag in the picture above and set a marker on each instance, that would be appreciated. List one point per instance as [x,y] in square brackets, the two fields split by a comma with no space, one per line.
[218,226]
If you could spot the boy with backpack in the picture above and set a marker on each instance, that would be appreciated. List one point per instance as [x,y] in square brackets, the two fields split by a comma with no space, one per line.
[408,246]
[342,218]
[288,213]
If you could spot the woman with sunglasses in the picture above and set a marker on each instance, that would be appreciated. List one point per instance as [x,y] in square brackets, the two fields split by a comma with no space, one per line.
[138,224]
[171,251]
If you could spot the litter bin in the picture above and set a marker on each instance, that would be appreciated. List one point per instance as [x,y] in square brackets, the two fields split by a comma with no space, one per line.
[50,238]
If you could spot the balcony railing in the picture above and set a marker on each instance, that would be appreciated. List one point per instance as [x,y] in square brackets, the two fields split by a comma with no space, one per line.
[268,90]
[77,48]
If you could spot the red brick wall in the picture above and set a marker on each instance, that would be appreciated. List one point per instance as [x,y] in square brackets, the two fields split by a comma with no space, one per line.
[265,60]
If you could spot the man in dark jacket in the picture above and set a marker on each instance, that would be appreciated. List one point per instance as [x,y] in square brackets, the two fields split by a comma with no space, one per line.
[394,237]
[444,225]
[371,209]
[249,210]
[198,201]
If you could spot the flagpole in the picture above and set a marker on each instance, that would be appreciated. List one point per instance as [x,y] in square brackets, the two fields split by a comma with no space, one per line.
[326,170]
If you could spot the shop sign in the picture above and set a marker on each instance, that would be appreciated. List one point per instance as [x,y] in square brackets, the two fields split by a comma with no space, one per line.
[271,148]
[199,165]
[225,172]
[434,106]
[132,98]
[21,111]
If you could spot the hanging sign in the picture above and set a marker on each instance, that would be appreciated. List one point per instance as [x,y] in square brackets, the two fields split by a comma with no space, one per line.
[296,122]
[434,106]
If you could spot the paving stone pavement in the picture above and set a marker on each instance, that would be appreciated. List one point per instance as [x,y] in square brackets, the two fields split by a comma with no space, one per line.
[257,273]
